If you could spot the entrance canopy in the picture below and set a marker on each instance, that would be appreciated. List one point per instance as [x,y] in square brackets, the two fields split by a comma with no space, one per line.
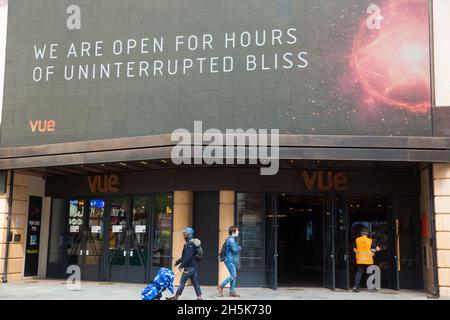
[296,147]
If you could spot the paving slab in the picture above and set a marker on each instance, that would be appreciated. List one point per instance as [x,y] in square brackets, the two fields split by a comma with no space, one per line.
[91,290]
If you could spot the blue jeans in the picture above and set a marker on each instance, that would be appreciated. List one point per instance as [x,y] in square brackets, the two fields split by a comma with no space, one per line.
[189,273]
[231,266]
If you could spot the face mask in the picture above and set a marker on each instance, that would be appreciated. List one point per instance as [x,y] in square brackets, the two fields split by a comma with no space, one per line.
[236,234]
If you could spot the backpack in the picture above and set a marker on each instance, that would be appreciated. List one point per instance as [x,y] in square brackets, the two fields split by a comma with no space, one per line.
[198,249]
[223,251]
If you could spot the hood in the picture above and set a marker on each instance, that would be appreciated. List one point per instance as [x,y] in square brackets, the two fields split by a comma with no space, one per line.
[196,242]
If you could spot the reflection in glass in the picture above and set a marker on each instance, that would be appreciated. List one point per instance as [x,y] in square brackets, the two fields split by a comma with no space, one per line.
[74,237]
[162,236]
[117,232]
[94,241]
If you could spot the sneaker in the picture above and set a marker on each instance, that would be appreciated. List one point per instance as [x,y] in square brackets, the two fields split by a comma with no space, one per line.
[355,289]
[199,298]
[175,297]
[234,294]
[373,290]
[220,291]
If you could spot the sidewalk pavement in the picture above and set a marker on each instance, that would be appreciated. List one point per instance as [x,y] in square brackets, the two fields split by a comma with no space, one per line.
[57,290]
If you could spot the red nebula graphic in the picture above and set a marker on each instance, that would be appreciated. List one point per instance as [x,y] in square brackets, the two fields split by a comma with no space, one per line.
[392,63]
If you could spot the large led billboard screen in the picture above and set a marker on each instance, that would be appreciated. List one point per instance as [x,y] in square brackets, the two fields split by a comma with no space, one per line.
[84,70]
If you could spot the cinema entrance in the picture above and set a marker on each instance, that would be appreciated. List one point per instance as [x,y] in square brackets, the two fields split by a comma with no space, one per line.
[309,239]
[124,238]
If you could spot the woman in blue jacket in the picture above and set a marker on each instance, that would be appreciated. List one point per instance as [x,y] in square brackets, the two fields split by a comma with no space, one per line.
[231,261]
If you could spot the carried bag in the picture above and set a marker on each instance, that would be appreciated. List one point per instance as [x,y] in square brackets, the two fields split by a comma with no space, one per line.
[223,251]
[198,249]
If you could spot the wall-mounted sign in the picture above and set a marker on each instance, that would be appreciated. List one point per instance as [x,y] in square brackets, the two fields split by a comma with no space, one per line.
[33,236]
[74,229]
[334,67]
[104,183]
[140,228]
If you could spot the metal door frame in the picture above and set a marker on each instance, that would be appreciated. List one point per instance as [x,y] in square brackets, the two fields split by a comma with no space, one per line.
[271,202]
[327,229]
[393,225]
[344,206]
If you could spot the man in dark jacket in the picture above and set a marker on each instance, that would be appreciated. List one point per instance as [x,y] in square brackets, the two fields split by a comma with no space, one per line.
[189,264]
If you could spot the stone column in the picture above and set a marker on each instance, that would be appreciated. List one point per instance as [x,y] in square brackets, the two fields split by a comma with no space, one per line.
[441,177]
[182,218]
[425,201]
[226,220]
[16,257]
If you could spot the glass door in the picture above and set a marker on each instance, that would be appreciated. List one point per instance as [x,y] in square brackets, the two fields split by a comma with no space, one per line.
[128,241]
[272,240]
[161,240]
[93,237]
[329,279]
[85,237]
[118,238]
[138,243]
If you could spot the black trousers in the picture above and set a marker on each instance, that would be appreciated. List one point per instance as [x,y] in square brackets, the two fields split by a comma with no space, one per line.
[192,274]
[360,269]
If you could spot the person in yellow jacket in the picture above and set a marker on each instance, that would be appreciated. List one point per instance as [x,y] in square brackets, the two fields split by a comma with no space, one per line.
[365,249]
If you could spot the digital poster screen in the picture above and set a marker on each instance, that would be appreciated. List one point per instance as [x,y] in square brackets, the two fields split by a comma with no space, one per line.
[80,70]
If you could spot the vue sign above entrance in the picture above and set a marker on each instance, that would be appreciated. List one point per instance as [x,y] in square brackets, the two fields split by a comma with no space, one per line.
[325,181]
[104,183]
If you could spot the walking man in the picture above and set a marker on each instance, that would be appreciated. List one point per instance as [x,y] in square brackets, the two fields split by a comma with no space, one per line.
[232,249]
[192,252]
[365,250]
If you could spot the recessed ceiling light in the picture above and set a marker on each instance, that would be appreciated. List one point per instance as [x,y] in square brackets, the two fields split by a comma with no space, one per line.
[123,164]
[163,161]
[143,162]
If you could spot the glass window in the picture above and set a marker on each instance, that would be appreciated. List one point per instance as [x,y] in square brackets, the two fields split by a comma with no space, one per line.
[162,230]
[57,231]
[409,233]
[251,223]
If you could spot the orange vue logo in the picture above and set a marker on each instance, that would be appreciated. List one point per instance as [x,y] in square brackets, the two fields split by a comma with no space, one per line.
[42,126]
